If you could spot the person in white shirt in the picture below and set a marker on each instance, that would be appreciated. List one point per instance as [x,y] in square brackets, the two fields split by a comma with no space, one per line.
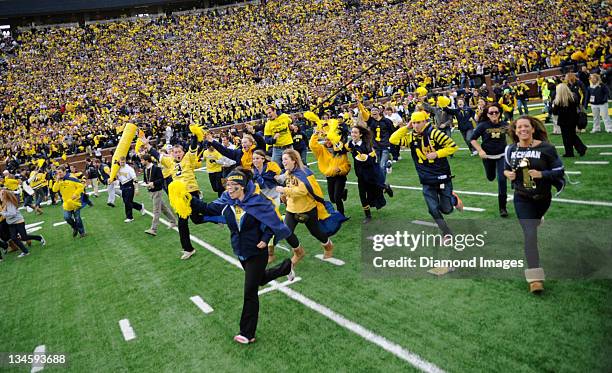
[129,187]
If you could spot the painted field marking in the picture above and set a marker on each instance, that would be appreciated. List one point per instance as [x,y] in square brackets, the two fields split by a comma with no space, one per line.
[311,163]
[34,224]
[425,223]
[391,347]
[605,153]
[127,330]
[334,261]
[592,162]
[201,169]
[37,364]
[561,200]
[573,172]
[278,286]
[32,230]
[475,209]
[60,223]
[198,301]
[283,248]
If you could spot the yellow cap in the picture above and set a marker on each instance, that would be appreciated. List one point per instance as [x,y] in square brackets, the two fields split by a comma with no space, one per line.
[419,116]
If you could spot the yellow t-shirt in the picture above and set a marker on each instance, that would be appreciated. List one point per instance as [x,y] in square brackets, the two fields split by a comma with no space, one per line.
[212,156]
[183,170]
[299,200]
[279,125]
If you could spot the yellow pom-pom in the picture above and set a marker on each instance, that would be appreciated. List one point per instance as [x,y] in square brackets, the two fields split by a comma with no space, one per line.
[443,101]
[421,91]
[197,131]
[312,117]
[180,199]
[332,131]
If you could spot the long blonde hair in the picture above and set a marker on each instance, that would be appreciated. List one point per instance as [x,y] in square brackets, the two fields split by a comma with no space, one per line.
[564,96]
[8,197]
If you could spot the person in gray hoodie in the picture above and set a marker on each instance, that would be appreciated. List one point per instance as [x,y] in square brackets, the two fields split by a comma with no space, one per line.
[16,222]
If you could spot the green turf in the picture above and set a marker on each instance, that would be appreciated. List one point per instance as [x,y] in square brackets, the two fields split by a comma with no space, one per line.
[71,294]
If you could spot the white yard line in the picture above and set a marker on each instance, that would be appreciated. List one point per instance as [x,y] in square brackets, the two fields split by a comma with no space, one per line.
[395,349]
[425,223]
[32,230]
[573,172]
[334,261]
[474,209]
[59,223]
[34,224]
[366,334]
[284,248]
[198,301]
[460,192]
[127,330]
[311,163]
[37,365]
[278,286]
[605,153]
[592,162]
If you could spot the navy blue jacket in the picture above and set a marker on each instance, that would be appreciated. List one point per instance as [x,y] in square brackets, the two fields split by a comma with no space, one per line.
[598,95]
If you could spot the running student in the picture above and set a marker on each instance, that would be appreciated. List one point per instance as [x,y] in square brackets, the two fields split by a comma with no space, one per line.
[16,222]
[129,187]
[71,190]
[252,220]
[430,148]
[492,130]
[154,180]
[305,204]
[184,188]
[533,166]
[333,162]
[370,180]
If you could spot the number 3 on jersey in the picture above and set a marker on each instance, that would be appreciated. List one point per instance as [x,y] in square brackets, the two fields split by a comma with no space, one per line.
[178,170]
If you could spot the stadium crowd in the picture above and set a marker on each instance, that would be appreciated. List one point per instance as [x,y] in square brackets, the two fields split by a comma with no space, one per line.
[66,90]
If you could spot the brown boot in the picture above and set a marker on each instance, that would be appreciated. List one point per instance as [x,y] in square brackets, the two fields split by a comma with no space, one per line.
[12,246]
[298,254]
[328,249]
[271,256]
[536,287]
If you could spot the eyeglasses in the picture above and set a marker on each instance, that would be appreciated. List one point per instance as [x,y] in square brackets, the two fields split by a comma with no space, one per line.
[493,112]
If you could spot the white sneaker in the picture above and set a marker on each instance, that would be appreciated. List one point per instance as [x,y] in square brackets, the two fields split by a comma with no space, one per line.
[128,220]
[291,275]
[187,254]
[151,232]
[172,226]
[143,211]
[43,242]
[243,340]
[23,254]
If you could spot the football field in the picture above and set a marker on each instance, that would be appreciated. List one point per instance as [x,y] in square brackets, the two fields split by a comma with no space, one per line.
[72,295]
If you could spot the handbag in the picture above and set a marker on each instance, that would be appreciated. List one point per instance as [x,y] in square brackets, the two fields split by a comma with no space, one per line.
[582,118]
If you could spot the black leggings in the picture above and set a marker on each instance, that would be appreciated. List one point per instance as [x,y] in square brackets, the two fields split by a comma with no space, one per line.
[197,205]
[530,213]
[370,194]
[15,229]
[311,221]
[215,182]
[256,275]
[335,191]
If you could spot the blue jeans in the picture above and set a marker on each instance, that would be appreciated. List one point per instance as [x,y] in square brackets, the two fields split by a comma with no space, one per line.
[382,156]
[277,155]
[522,104]
[304,156]
[440,201]
[530,213]
[495,168]
[73,218]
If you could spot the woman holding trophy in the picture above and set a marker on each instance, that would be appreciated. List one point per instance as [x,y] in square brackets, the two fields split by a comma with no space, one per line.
[533,166]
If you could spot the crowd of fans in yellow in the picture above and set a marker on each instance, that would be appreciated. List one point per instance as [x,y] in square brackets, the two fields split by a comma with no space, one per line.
[67,89]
